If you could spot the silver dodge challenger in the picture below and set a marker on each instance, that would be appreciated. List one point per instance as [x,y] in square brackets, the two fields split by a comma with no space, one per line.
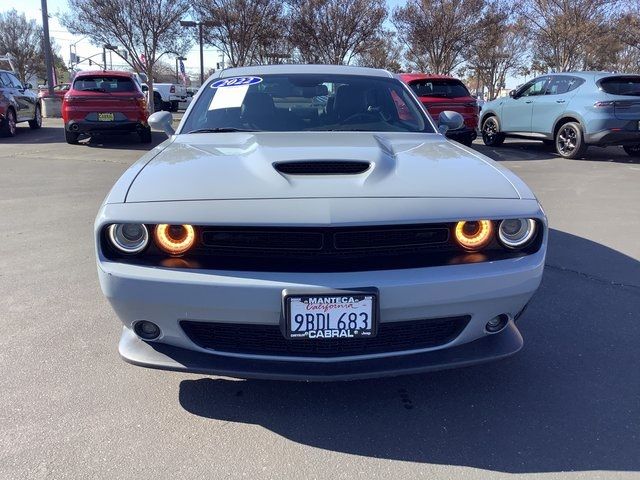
[309,222]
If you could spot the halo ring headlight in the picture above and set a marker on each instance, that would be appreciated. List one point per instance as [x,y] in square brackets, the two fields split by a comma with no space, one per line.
[128,237]
[474,235]
[516,232]
[175,239]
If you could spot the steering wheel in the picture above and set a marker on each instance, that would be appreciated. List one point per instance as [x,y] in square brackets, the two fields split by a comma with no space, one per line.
[363,117]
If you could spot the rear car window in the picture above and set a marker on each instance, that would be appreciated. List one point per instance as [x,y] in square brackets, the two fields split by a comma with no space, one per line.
[104,83]
[439,88]
[621,85]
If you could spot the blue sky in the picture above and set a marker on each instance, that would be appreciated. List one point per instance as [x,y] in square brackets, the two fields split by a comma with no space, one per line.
[84,48]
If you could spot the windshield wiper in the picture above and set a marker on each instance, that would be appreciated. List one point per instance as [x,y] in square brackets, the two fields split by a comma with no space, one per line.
[221,130]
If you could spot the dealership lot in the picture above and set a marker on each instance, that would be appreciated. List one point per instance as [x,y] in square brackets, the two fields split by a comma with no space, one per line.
[569,402]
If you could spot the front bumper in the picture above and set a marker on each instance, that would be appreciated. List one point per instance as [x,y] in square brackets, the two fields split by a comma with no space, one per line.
[169,357]
[168,296]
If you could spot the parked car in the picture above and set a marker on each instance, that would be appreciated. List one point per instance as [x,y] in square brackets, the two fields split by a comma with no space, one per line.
[439,93]
[59,90]
[570,111]
[103,102]
[18,103]
[296,227]
[167,96]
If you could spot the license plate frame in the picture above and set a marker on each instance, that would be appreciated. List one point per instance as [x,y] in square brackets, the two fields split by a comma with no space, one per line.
[288,296]
[106,117]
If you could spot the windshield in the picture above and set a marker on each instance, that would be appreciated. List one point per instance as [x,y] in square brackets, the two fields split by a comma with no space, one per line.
[445,88]
[621,85]
[104,83]
[299,102]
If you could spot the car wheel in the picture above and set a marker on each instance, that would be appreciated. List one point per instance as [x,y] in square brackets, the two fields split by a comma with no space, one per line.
[37,119]
[71,137]
[632,150]
[8,127]
[491,135]
[569,141]
[145,135]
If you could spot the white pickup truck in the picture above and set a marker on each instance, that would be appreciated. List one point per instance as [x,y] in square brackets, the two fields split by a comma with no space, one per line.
[166,96]
[169,95]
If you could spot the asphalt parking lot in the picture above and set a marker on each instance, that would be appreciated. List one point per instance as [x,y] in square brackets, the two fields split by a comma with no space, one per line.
[567,406]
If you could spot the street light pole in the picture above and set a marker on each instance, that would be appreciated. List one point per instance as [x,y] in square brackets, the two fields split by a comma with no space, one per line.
[201,55]
[47,46]
[207,23]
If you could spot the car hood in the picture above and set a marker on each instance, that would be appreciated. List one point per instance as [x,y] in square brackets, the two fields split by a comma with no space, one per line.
[240,166]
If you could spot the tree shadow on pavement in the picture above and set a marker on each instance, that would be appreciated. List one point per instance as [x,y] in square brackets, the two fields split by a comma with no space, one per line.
[569,401]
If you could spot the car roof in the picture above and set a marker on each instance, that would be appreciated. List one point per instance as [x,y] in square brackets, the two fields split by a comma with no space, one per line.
[425,76]
[302,69]
[121,73]
[592,74]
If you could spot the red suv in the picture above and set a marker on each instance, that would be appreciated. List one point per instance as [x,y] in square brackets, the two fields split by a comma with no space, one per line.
[105,102]
[439,93]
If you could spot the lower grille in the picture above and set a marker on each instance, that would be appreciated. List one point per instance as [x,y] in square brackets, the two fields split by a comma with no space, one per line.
[269,340]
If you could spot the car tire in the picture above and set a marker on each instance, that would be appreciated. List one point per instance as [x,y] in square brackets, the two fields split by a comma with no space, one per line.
[466,140]
[8,127]
[157,102]
[37,119]
[632,150]
[145,135]
[491,134]
[71,137]
[569,141]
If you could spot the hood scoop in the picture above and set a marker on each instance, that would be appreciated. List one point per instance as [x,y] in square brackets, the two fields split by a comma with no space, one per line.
[322,167]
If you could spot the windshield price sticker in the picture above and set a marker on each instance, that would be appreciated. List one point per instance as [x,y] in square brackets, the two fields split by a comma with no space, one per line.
[328,316]
[236,82]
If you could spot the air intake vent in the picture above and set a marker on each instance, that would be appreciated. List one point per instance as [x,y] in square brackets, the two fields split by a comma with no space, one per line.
[322,167]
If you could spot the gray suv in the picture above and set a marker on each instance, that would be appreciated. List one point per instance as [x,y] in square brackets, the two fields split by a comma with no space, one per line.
[569,111]
[18,103]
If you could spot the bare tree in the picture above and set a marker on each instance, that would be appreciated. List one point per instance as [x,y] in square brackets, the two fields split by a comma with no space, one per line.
[243,29]
[334,31]
[382,52]
[499,49]
[628,34]
[21,38]
[437,32]
[569,34]
[146,29]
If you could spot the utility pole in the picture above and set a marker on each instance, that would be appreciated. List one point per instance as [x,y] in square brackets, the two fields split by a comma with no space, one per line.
[47,46]
[206,23]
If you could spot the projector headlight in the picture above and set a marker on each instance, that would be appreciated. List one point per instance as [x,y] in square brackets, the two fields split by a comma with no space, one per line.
[128,237]
[517,232]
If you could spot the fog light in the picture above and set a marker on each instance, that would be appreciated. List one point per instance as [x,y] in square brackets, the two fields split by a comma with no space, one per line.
[497,323]
[147,330]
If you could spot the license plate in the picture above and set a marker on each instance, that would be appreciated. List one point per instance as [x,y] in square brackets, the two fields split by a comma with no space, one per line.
[106,117]
[340,315]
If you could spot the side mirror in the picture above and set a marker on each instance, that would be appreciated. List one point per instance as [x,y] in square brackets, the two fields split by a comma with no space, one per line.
[449,120]
[162,121]
[512,94]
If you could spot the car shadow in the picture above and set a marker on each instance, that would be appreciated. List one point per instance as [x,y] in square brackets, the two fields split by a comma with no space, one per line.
[524,150]
[569,401]
[123,142]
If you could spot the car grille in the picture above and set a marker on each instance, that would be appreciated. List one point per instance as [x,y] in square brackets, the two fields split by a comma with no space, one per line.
[322,249]
[269,340]
[322,167]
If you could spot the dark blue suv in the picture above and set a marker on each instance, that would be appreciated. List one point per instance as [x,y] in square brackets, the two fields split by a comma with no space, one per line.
[570,111]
